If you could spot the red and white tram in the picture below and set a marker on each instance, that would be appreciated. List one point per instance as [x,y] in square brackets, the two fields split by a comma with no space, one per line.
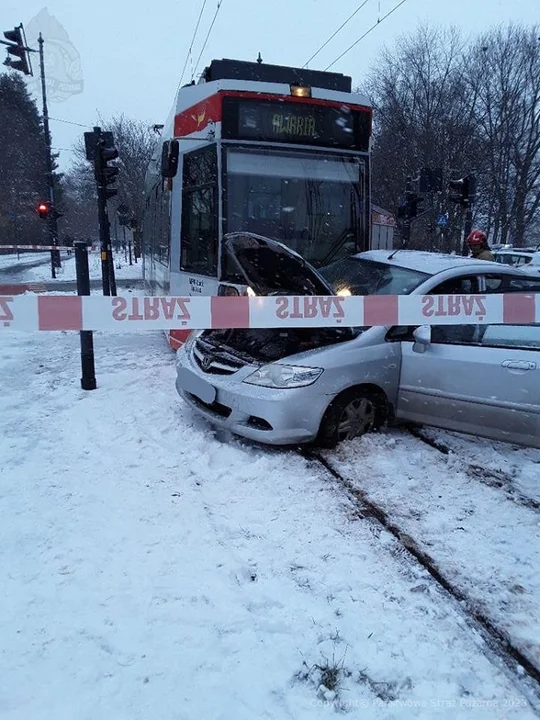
[272,150]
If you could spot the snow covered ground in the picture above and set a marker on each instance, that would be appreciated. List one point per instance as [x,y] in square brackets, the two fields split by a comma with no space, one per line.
[123,270]
[26,258]
[482,540]
[151,568]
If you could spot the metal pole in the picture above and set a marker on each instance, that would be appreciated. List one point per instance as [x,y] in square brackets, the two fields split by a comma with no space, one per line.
[407,223]
[51,219]
[112,278]
[467,228]
[104,228]
[88,379]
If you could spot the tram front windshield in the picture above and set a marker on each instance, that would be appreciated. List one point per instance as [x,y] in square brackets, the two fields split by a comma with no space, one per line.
[312,203]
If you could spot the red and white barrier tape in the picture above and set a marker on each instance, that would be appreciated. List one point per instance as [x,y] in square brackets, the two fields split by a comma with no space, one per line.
[44,248]
[135,314]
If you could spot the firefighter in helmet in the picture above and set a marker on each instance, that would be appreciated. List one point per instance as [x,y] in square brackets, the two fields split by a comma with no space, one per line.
[478,245]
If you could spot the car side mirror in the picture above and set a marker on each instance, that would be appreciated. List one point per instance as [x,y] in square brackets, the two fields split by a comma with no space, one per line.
[422,338]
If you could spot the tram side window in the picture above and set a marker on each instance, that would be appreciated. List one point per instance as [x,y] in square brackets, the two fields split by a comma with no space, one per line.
[199,249]
[163,237]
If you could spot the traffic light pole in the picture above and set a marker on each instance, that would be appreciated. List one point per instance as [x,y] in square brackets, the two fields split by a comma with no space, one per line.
[107,265]
[100,151]
[467,228]
[51,218]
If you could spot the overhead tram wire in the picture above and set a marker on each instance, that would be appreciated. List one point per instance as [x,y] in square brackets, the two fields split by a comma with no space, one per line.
[220,3]
[365,34]
[69,122]
[347,21]
[192,41]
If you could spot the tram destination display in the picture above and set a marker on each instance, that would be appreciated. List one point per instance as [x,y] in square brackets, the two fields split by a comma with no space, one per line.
[294,122]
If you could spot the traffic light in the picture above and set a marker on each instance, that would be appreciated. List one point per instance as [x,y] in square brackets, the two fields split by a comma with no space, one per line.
[18,49]
[43,210]
[412,208]
[463,191]
[106,174]
[124,215]
[471,188]
[46,210]
[416,203]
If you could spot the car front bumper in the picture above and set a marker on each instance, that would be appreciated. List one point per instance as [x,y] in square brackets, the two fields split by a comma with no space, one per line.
[266,415]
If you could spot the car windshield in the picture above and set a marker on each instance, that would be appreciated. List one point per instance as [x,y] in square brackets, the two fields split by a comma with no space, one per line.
[354,276]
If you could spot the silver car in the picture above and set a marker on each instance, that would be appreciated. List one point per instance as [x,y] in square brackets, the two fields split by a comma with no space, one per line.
[325,385]
[515,258]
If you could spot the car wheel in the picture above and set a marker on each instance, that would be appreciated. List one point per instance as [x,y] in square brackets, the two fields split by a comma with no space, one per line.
[350,415]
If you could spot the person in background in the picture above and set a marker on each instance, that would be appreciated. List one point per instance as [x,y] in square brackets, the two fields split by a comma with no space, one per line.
[478,245]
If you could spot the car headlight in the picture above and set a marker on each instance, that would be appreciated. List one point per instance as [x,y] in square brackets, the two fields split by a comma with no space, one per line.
[284,376]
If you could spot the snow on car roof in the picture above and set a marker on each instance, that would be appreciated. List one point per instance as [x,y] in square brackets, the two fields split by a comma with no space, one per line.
[428,262]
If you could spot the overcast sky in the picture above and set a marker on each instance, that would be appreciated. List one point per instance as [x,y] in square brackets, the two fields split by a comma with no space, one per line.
[127,55]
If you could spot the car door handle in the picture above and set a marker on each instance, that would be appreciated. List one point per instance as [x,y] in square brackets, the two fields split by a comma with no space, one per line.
[518,365]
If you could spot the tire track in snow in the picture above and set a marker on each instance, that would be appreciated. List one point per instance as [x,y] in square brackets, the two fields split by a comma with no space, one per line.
[486,475]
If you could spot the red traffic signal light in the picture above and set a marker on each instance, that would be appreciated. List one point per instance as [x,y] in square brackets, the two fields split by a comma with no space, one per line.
[43,210]
[18,49]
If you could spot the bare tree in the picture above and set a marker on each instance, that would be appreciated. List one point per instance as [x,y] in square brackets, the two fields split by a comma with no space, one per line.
[424,117]
[135,141]
[79,205]
[504,75]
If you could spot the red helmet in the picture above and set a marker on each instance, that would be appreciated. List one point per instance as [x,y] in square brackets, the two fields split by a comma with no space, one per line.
[477,237]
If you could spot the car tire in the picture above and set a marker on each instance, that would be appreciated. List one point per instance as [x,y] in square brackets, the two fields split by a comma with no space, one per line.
[351,414]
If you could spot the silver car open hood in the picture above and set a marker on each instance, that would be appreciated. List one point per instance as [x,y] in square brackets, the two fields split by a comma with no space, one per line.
[271,268]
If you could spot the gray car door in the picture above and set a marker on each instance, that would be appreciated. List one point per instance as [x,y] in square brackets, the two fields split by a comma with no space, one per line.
[485,382]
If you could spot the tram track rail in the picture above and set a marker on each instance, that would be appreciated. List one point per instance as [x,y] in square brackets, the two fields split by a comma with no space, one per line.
[522,670]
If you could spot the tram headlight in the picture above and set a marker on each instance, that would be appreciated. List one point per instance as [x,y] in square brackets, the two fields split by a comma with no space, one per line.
[301,91]
[227,291]
[283,376]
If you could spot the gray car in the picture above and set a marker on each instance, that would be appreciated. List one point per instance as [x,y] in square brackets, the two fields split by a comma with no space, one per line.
[325,385]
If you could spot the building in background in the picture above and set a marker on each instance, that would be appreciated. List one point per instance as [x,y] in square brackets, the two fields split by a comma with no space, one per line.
[383,228]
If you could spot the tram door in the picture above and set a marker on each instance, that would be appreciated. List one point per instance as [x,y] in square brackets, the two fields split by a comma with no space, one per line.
[199,234]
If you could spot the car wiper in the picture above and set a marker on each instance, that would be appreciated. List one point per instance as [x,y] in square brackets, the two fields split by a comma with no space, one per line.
[336,248]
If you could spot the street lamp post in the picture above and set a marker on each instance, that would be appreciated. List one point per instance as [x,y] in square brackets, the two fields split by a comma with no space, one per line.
[51,219]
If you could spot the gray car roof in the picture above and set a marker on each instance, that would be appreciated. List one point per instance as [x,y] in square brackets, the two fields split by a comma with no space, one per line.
[428,262]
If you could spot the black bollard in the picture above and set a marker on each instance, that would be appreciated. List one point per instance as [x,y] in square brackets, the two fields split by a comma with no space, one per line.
[88,379]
